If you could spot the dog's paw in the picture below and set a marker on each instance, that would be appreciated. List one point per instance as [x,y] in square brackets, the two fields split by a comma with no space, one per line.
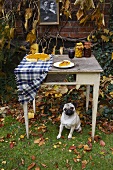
[69,136]
[59,136]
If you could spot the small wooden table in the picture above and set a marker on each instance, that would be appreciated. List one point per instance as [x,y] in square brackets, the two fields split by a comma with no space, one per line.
[87,71]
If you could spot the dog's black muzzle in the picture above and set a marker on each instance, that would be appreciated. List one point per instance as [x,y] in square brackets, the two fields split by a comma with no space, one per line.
[69,112]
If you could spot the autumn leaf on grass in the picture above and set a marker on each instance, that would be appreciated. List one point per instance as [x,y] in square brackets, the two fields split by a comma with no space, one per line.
[87,148]
[111,150]
[37,168]
[31,165]
[97,138]
[80,146]
[84,163]
[102,143]
[44,165]
[33,157]
[40,141]
[22,136]
[57,145]
[30,115]
[76,160]
[72,147]
[12,144]
[42,128]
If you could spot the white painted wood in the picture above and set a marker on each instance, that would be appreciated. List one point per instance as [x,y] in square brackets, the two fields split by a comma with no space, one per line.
[25,108]
[87,96]
[34,108]
[95,104]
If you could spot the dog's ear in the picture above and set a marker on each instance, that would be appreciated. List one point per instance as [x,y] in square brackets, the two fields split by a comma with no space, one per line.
[75,104]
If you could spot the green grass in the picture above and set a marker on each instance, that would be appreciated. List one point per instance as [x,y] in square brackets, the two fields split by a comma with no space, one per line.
[25,151]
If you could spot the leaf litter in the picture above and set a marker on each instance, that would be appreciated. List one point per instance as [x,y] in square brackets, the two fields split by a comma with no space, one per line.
[46,102]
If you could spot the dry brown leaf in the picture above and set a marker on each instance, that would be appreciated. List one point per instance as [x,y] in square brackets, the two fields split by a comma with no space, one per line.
[87,148]
[37,168]
[72,147]
[54,48]
[33,157]
[79,14]
[84,163]
[28,13]
[44,165]
[37,140]
[31,166]
[80,146]
[102,143]
[67,4]
[12,33]
[31,37]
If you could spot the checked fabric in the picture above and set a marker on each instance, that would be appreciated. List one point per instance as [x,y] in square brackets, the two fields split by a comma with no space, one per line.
[29,76]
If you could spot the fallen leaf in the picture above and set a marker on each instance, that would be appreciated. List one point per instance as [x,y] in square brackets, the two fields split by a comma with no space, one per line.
[22,136]
[80,146]
[12,144]
[33,157]
[37,168]
[31,165]
[84,163]
[87,148]
[72,147]
[102,143]
[44,165]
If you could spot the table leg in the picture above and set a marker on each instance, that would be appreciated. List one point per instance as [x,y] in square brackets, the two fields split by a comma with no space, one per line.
[34,108]
[25,108]
[95,104]
[87,96]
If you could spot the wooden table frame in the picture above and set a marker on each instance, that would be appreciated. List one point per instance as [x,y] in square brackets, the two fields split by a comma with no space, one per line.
[87,71]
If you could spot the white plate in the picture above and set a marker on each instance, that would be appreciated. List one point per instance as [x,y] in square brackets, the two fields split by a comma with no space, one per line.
[69,66]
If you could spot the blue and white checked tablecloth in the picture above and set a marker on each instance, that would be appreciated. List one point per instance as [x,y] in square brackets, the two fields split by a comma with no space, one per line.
[29,76]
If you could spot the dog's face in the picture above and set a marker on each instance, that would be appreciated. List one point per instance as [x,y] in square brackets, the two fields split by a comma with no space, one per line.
[69,109]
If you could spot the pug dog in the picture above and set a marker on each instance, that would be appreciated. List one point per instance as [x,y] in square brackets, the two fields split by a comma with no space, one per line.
[69,120]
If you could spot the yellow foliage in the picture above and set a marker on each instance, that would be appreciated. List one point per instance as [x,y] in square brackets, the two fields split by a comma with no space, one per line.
[79,14]
[12,33]
[31,37]
[112,56]
[111,94]
[105,38]
[28,13]
[34,48]
[54,48]
[30,115]
[67,4]
[85,4]
[106,31]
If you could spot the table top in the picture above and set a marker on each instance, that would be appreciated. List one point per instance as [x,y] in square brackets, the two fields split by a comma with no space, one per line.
[80,65]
